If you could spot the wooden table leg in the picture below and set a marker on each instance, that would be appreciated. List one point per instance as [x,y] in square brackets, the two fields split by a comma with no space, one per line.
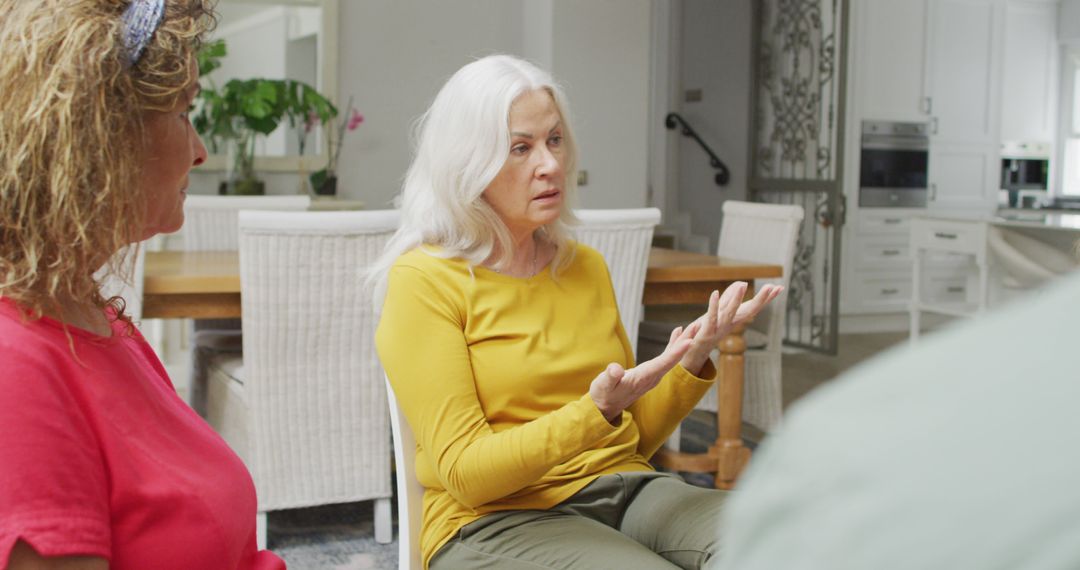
[728,449]
[727,456]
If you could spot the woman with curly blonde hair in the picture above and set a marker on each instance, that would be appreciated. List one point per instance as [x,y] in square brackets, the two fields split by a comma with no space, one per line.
[101,463]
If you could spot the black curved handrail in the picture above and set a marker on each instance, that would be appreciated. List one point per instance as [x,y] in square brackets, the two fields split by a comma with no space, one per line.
[723,175]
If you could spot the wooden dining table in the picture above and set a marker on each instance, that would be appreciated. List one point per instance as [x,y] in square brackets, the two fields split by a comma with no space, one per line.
[204,284]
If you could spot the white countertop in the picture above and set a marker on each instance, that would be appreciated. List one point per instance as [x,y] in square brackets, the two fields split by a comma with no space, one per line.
[1034,219]
[1042,219]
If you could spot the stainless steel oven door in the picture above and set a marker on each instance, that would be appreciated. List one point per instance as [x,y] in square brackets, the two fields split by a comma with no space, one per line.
[893,171]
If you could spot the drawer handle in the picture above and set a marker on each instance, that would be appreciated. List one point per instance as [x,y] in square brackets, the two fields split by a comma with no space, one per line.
[890,252]
[889,291]
[944,235]
[892,221]
[955,289]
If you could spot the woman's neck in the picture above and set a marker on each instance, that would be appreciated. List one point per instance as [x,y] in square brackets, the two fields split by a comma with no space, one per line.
[528,257]
[80,315]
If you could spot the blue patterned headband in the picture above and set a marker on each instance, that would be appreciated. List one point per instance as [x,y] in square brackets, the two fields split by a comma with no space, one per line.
[140,20]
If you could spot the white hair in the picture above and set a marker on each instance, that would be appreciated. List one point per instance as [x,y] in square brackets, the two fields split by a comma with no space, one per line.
[461,144]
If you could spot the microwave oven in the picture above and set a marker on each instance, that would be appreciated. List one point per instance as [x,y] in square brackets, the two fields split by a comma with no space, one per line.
[1025,166]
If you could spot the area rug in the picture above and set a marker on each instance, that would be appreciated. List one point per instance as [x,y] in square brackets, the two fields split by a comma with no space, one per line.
[333,537]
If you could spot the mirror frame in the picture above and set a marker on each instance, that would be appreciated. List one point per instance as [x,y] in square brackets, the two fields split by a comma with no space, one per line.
[328,70]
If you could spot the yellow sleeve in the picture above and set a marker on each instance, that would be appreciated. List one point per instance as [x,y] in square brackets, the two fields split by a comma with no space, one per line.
[423,349]
[661,409]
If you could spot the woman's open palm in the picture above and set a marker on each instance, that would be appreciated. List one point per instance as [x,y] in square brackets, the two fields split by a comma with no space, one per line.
[724,314]
[615,389]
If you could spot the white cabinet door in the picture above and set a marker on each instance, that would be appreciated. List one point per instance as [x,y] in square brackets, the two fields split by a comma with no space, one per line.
[962,78]
[1029,72]
[962,177]
[890,42]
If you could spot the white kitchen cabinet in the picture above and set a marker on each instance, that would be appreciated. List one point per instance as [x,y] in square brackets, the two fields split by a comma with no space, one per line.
[963,82]
[1029,84]
[881,291]
[890,39]
[962,177]
[947,292]
[962,71]
[940,62]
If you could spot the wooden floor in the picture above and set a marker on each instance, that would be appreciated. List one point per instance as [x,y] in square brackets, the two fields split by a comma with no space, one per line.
[803,371]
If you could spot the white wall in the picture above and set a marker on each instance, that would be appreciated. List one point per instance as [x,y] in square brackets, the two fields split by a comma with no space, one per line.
[1069,21]
[601,56]
[395,56]
[715,56]
[256,46]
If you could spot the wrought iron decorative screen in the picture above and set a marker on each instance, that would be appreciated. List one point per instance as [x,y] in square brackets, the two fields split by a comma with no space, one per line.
[797,149]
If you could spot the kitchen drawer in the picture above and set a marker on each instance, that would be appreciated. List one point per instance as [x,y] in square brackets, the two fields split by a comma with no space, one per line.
[884,253]
[945,289]
[949,235]
[878,223]
[948,261]
[889,291]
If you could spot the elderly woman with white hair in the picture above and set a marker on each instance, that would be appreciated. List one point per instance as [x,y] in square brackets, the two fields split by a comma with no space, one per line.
[501,338]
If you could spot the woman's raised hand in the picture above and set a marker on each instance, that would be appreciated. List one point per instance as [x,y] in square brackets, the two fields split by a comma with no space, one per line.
[725,313]
[615,388]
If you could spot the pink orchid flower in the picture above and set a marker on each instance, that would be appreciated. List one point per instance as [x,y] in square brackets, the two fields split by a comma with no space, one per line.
[355,120]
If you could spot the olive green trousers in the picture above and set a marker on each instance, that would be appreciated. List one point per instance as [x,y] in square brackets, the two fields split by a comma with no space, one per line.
[640,520]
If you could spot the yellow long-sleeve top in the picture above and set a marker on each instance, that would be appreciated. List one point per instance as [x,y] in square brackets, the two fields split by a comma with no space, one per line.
[492,373]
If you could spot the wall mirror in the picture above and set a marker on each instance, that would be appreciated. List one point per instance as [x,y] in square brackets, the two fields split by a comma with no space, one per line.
[279,39]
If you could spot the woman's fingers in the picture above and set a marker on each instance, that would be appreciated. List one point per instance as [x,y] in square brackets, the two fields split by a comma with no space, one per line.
[657,367]
[610,377]
[713,314]
[729,302]
[691,330]
[675,334]
[752,307]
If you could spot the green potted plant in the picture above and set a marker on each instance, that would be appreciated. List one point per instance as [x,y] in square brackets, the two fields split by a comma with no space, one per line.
[324,181]
[232,116]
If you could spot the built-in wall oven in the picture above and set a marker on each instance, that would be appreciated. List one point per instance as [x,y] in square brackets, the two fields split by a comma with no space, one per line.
[892,164]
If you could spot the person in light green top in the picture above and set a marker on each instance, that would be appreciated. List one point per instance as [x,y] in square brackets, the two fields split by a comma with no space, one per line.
[501,338]
[958,453]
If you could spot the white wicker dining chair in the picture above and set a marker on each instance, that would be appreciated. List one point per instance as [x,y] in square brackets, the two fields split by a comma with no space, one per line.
[305,405]
[763,233]
[210,224]
[624,238]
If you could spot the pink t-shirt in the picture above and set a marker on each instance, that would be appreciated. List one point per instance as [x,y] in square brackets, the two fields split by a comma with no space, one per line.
[100,457]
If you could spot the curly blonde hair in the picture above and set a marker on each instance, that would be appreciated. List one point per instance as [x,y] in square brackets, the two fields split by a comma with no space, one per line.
[71,138]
